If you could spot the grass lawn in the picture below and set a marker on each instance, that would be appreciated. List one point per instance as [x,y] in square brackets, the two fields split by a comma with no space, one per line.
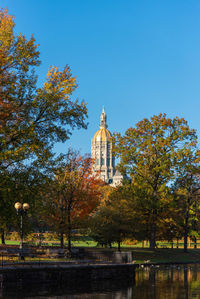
[145,255]
[141,255]
[88,242]
[141,252]
[10,242]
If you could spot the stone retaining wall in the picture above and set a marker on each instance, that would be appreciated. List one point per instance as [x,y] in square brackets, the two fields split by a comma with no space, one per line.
[54,279]
[56,272]
[97,254]
[109,255]
[68,276]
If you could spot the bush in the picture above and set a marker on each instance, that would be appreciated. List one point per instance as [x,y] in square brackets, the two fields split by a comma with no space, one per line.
[130,242]
[13,236]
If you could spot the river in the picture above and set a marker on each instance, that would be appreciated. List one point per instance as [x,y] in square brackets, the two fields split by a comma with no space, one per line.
[154,282]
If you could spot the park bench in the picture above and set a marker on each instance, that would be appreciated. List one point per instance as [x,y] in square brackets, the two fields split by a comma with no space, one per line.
[13,252]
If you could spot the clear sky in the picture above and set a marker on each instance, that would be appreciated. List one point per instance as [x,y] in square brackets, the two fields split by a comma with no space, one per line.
[136,57]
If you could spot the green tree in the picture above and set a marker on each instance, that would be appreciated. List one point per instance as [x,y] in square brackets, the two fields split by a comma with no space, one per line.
[149,154]
[32,118]
[186,190]
[19,185]
[113,221]
[187,204]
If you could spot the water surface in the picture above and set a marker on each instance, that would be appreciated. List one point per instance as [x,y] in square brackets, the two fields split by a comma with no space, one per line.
[155,282]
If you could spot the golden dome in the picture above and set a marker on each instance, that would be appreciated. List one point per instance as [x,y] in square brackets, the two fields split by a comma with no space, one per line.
[102,135]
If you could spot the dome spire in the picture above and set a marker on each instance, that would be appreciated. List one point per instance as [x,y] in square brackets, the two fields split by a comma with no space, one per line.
[103,118]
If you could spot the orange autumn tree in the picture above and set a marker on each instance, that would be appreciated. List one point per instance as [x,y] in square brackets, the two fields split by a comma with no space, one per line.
[73,195]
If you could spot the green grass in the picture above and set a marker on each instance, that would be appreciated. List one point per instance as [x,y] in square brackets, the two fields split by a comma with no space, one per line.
[141,255]
[11,242]
[54,243]
[88,242]
[84,243]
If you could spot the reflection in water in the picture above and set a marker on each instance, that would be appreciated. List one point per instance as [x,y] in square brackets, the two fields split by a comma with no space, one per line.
[186,282]
[155,282]
[175,281]
[74,290]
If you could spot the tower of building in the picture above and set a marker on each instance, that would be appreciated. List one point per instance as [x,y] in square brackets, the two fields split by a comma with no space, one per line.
[101,151]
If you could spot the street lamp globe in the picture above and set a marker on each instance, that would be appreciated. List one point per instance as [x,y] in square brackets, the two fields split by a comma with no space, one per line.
[26,206]
[21,209]
[18,205]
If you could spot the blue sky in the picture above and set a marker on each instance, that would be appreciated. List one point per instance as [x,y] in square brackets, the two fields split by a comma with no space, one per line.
[136,57]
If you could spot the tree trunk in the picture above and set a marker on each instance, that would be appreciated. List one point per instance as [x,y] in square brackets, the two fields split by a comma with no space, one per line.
[152,237]
[61,240]
[186,239]
[154,219]
[119,245]
[69,228]
[186,230]
[195,242]
[2,236]
[177,243]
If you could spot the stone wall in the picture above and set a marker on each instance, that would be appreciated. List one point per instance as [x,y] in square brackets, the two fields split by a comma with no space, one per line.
[108,255]
[70,277]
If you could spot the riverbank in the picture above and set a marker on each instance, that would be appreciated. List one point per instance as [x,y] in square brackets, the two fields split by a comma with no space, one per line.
[126,280]
[164,255]
[143,255]
[58,278]
[68,277]
[95,255]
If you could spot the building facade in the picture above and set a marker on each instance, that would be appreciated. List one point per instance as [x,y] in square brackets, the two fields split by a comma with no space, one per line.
[101,152]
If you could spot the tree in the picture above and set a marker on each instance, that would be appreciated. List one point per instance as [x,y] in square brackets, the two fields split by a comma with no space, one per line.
[140,206]
[32,119]
[186,191]
[149,154]
[113,221]
[7,219]
[21,185]
[73,195]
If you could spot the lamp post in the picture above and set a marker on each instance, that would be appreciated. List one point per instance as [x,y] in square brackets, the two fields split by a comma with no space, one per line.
[21,211]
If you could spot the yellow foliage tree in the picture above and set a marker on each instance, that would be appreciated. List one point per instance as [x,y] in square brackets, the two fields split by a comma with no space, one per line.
[32,119]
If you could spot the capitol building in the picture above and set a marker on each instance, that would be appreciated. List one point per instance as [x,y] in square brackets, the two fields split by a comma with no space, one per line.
[101,152]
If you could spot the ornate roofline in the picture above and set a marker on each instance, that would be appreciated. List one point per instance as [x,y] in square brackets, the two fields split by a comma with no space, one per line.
[103,119]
